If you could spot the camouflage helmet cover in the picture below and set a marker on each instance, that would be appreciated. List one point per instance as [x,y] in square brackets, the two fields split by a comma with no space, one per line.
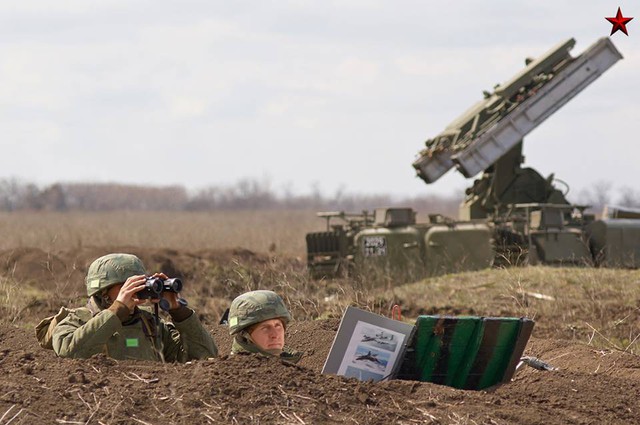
[255,307]
[110,270]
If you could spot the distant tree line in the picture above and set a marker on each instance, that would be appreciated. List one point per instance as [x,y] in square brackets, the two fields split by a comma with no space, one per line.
[602,193]
[16,195]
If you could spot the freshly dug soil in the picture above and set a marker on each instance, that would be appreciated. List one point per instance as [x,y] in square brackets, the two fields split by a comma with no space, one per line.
[590,386]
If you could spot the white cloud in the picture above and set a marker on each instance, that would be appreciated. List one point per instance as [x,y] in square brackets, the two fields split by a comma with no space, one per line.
[299,90]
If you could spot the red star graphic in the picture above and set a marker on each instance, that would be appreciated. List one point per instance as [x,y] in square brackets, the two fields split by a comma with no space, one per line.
[619,23]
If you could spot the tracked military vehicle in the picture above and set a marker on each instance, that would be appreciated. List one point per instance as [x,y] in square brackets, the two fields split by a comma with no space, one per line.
[390,245]
[511,214]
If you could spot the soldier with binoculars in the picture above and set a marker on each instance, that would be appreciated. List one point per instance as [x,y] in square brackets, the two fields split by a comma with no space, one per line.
[112,323]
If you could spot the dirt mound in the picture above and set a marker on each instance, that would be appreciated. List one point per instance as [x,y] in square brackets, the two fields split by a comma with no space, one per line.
[589,387]
[36,265]
[33,264]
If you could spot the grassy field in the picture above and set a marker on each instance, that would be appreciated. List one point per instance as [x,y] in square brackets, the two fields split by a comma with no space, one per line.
[256,230]
[595,306]
[45,256]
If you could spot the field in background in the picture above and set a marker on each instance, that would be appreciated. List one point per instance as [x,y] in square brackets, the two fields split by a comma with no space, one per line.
[260,231]
[44,256]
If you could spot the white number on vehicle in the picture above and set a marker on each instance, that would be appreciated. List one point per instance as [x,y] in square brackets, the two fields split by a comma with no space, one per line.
[374,246]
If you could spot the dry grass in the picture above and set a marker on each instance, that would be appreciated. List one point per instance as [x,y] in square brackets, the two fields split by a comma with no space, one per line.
[256,230]
[596,306]
[15,299]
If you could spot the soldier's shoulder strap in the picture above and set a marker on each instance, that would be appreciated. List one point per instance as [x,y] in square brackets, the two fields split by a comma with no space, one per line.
[44,329]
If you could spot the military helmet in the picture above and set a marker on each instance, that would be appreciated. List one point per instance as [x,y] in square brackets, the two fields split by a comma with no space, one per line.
[110,270]
[255,307]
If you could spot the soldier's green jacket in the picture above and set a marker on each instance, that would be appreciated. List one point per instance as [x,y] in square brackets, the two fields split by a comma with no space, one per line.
[84,333]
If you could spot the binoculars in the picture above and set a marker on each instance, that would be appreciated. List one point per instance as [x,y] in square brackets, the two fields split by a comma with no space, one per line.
[155,286]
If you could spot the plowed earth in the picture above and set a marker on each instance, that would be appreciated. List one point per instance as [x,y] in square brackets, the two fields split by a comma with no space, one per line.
[591,386]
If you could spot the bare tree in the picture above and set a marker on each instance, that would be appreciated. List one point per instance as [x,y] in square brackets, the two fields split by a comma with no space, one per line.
[53,198]
[18,195]
[597,196]
[629,197]
[253,194]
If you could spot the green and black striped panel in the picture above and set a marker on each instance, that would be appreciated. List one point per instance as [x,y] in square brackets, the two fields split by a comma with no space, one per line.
[468,352]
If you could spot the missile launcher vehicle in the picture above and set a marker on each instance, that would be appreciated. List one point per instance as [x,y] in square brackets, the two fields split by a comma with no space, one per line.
[390,245]
[511,214]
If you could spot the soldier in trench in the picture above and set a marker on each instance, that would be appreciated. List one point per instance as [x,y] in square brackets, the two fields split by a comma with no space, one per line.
[258,321]
[113,324]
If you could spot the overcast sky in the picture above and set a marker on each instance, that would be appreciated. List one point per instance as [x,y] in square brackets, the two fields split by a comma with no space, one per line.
[302,93]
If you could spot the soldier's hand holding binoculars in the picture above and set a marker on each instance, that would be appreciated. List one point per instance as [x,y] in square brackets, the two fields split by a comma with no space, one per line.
[129,289]
[157,288]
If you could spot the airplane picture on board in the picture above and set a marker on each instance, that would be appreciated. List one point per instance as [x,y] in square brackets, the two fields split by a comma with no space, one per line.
[380,340]
[368,358]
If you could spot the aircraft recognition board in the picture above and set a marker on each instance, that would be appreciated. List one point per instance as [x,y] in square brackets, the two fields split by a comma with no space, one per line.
[368,346]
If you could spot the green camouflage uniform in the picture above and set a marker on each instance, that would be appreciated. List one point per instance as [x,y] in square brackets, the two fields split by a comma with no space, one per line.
[121,335]
[251,308]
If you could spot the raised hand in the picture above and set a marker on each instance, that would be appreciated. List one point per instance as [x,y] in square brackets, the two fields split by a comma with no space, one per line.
[129,289]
